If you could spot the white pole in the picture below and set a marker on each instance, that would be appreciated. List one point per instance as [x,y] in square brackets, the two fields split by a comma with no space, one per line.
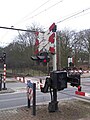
[55,56]
[69,61]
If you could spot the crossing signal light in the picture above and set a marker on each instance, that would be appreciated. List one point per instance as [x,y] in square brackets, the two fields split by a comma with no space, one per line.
[44,60]
[4,55]
[34,58]
[42,57]
[1,59]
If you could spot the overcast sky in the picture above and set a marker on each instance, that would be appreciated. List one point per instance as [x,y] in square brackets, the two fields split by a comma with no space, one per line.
[22,13]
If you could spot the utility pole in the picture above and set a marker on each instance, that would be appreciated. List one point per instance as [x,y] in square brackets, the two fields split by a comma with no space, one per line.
[58,51]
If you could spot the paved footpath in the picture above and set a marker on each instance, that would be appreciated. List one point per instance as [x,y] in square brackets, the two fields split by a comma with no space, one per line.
[68,110]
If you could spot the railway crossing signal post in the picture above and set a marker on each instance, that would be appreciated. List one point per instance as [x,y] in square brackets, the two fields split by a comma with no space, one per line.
[58,79]
[53,105]
[45,58]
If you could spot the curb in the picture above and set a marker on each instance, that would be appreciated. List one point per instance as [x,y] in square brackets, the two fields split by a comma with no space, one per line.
[82,93]
[8,90]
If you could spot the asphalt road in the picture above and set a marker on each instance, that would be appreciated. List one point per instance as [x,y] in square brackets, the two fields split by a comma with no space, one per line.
[19,97]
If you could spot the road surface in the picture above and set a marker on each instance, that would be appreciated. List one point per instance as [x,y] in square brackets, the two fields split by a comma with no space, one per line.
[19,97]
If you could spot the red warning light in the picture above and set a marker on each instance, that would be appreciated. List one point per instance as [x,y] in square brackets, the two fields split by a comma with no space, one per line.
[44,60]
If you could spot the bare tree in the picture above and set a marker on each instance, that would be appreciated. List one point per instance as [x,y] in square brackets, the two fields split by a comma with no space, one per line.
[64,47]
[80,45]
[87,42]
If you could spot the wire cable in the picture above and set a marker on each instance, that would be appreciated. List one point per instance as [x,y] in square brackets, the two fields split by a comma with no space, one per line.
[43,11]
[12,28]
[82,15]
[33,11]
[72,15]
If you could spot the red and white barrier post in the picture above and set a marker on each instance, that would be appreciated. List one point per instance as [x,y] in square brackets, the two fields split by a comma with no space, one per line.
[4,77]
[4,71]
[79,92]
